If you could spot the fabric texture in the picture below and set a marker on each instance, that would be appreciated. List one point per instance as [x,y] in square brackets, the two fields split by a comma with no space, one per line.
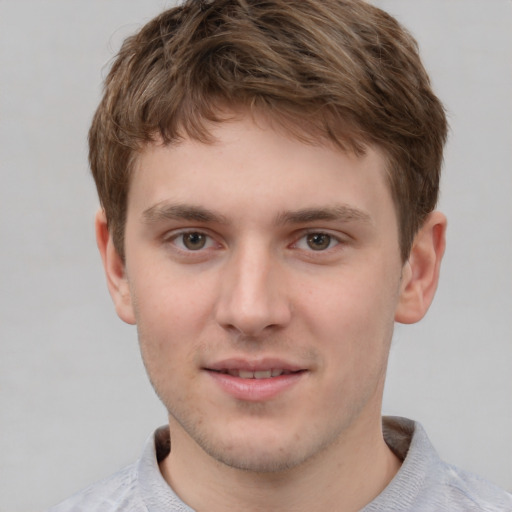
[424,483]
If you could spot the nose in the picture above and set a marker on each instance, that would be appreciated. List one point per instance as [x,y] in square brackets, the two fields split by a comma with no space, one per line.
[252,297]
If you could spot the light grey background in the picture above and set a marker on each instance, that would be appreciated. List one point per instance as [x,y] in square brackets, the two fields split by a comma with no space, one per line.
[74,401]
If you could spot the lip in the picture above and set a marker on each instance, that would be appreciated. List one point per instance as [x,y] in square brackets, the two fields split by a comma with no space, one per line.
[253,365]
[254,390]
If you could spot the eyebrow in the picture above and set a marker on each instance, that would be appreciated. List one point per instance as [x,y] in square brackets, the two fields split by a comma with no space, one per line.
[167,211]
[340,213]
[172,211]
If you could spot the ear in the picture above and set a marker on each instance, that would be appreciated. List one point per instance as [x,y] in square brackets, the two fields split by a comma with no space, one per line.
[115,270]
[420,274]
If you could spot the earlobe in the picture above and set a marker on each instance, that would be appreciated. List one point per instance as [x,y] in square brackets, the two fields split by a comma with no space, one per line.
[421,272]
[115,271]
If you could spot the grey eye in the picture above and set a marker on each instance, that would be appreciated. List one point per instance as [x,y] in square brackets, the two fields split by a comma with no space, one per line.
[318,241]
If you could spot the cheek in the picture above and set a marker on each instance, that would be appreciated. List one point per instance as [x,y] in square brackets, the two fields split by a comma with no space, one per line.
[354,305]
[171,315]
[168,351]
[170,300]
[354,314]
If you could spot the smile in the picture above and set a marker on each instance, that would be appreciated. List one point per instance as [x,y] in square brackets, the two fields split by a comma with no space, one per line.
[255,385]
[260,374]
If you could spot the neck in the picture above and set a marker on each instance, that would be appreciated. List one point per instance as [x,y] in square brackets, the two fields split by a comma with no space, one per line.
[345,476]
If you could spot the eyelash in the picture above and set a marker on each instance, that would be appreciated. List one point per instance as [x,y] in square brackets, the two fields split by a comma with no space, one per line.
[177,239]
[333,241]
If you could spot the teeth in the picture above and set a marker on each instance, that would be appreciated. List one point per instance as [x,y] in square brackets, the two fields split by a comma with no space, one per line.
[265,374]
[260,374]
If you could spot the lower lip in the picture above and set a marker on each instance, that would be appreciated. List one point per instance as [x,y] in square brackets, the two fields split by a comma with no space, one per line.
[255,390]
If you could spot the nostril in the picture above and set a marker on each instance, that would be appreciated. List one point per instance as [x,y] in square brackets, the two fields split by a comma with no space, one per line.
[250,296]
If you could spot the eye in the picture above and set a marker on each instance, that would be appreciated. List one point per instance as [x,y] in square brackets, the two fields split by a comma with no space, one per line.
[316,242]
[193,241]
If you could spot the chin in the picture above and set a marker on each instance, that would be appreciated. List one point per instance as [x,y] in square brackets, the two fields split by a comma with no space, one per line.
[257,460]
[253,451]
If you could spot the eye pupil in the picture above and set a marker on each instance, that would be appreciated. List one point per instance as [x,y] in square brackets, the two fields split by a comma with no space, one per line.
[194,241]
[318,241]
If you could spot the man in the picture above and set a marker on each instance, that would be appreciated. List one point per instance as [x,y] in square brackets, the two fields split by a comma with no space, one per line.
[268,173]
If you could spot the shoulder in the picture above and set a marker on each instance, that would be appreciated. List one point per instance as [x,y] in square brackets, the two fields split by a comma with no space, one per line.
[136,488]
[118,492]
[471,492]
[425,483]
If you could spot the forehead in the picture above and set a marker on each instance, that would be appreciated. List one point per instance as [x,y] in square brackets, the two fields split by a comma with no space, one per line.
[251,160]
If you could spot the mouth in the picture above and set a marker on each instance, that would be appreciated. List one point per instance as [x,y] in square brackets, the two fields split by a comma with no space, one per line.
[257,374]
[255,381]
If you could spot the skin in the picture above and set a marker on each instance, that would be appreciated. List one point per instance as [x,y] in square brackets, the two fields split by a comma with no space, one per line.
[261,251]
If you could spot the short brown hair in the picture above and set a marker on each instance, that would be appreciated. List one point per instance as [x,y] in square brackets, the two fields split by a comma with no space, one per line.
[346,67]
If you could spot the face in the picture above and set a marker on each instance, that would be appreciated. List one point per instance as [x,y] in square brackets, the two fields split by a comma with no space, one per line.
[263,275]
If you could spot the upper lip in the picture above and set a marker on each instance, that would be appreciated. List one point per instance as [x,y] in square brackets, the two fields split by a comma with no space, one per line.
[253,365]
